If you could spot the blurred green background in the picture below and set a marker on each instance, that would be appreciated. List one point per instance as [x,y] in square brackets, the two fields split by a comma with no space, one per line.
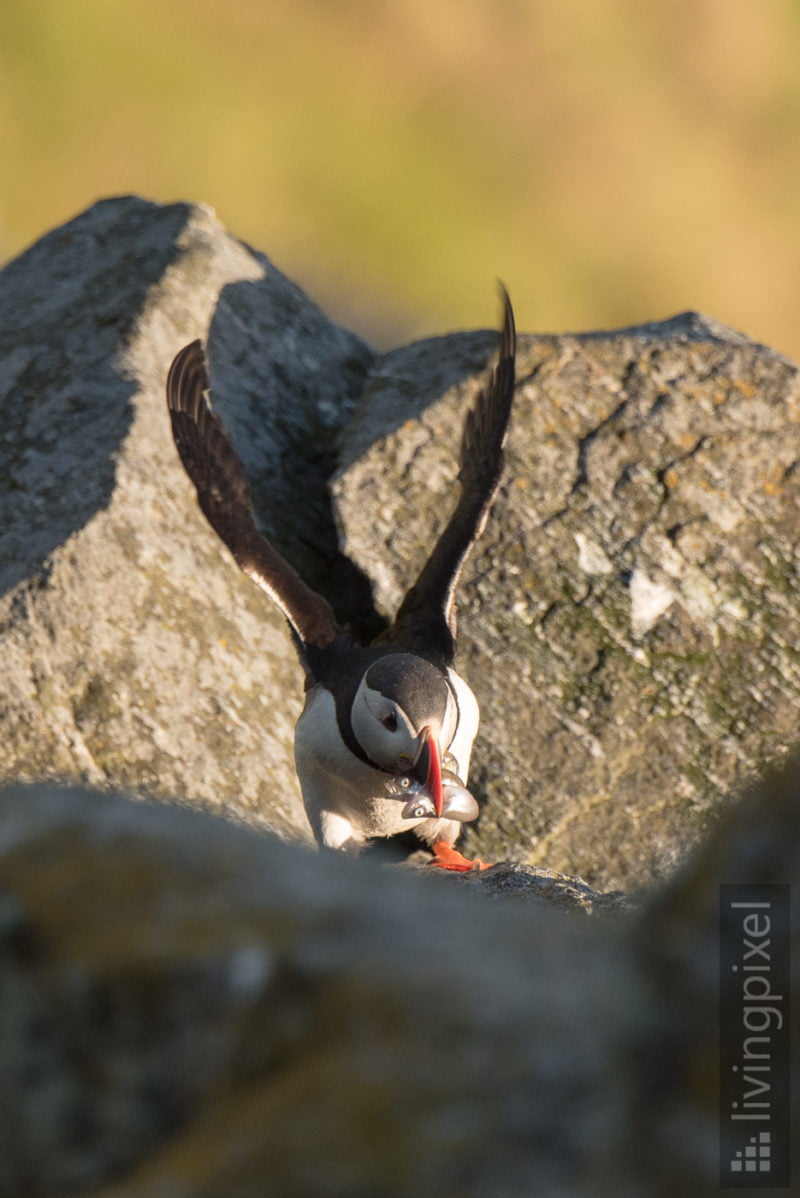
[611,160]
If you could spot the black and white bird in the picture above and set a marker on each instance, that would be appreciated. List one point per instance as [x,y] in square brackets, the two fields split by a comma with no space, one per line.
[384,740]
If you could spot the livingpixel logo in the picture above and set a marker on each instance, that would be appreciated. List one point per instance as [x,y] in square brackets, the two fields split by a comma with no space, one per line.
[754,990]
[756,1157]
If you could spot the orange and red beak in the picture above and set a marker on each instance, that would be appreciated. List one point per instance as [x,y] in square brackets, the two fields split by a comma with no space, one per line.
[428,768]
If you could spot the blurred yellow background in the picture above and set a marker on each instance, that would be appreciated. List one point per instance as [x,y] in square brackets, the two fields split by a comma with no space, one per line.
[612,161]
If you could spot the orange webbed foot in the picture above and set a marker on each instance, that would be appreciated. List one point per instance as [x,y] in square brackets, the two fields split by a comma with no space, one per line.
[446,857]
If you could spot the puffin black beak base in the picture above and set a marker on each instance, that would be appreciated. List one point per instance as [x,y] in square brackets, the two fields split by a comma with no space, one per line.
[428,768]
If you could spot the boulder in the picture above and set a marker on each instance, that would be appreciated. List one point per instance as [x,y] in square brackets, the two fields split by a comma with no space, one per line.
[134,653]
[628,623]
[197,1010]
[630,620]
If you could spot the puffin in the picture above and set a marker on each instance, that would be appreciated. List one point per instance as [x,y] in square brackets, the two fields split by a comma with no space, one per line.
[383,744]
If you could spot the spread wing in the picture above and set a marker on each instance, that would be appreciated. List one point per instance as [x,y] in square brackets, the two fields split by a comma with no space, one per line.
[211,462]
[428,610]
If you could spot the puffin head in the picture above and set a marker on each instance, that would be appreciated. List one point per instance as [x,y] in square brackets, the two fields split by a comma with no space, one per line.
[403,716]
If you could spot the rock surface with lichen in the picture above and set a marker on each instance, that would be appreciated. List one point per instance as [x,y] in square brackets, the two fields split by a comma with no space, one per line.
[134,654]
[629,621]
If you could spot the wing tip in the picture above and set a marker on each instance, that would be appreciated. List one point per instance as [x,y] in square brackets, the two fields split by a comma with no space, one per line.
[508,332]
[187,377]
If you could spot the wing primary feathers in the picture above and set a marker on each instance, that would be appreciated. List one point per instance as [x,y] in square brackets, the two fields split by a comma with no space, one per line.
[429,606]
[212,464]
[427,614]
[486,424]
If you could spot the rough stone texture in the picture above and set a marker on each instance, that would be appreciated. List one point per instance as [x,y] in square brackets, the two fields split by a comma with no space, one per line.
[630,622]
[512,879]
[134,654]
[193,1010]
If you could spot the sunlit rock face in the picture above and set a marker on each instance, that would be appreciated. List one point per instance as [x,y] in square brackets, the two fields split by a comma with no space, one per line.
[630,619]
[135,654]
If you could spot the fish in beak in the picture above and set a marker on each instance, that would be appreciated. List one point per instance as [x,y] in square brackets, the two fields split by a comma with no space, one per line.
[430,791]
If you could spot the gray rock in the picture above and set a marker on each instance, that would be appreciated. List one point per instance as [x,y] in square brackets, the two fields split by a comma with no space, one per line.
[194,1010]
[630,621]
[134,654]
[512,879]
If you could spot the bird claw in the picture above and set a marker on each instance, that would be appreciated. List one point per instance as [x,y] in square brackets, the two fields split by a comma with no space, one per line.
[446,857]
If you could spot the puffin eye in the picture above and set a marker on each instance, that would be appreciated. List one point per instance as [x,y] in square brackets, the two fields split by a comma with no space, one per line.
[390,723]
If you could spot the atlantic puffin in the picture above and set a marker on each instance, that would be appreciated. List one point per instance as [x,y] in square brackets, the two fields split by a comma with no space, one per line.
[384,740]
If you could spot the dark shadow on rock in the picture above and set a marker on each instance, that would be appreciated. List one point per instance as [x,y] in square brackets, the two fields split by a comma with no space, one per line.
[284,379]
[406,381]
[286,399]
[66,305]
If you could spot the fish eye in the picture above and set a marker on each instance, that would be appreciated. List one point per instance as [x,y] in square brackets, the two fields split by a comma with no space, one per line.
[390,722]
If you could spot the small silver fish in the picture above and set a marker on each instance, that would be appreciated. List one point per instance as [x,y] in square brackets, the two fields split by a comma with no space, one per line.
[419,807]
[457,804]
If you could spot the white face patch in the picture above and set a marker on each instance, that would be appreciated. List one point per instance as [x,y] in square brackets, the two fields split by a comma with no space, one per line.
[383,730]
[387,712]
